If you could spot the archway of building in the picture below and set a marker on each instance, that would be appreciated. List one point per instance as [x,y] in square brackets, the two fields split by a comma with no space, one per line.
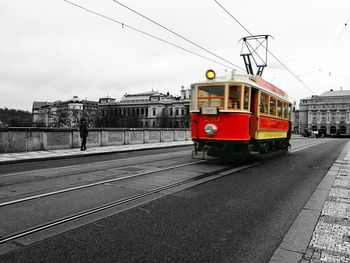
[333,130]
[342,129]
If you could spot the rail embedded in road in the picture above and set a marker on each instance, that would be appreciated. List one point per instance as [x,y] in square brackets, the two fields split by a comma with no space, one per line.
[200,178]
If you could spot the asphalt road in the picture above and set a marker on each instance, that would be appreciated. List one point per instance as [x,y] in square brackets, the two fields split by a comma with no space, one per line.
[242,217]
[35,165]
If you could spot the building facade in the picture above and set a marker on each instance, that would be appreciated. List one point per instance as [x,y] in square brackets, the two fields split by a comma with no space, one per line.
[149,110]
[328,112]
[63,113]
[143,110]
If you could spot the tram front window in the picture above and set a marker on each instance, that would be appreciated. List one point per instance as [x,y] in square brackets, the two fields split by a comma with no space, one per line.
[246,98]
[211,97]
[234,101]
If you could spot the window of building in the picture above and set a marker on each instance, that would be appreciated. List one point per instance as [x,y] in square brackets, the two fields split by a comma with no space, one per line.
[234,101]
[264,103]
[176,112]
[332,130]
[154,112]
[342,130]
[171,111]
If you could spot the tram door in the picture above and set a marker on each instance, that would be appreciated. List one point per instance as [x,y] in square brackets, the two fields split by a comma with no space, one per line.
[254,104]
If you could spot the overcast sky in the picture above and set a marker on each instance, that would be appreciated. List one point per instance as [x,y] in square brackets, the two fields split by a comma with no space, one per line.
[52,50]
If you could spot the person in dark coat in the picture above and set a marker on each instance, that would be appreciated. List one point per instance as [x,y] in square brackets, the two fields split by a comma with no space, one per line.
[83,134]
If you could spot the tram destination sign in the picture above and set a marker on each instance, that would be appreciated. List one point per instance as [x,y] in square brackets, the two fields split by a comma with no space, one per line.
[211,111]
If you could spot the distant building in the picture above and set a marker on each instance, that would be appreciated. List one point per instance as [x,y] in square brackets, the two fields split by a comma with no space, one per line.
[62,113]
[151,110]
[39,112]
[106,100]
[142,110]
[329,112]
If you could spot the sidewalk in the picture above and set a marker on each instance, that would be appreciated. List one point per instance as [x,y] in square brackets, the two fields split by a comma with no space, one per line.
[9,158]
[330,241]
[321,233]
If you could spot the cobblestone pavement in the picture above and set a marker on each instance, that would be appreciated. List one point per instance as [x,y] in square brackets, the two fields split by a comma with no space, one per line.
[330,241]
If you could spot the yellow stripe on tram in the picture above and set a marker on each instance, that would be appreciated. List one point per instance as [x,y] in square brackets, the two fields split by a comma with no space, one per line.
[261,135]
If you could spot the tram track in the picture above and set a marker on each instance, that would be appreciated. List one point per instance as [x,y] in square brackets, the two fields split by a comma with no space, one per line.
[204,176]
[109,180]
[94,167]
[95,184]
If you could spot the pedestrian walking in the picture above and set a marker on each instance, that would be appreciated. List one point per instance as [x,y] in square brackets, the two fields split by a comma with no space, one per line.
[84,131]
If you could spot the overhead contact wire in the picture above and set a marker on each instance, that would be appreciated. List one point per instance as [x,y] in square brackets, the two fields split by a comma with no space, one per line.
[176,34]
[145,33]
[280,62]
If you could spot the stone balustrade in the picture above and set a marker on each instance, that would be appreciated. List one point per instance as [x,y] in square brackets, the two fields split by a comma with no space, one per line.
[35,139]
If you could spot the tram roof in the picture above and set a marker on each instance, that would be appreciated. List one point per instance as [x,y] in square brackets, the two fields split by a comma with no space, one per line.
[251,80]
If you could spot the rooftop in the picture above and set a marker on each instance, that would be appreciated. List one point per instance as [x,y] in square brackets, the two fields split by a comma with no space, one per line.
[336,93]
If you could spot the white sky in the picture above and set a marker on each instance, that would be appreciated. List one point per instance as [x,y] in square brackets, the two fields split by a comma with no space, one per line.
[51,50]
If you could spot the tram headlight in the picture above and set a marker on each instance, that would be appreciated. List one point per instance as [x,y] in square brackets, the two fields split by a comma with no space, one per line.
[210,74]
[210,129]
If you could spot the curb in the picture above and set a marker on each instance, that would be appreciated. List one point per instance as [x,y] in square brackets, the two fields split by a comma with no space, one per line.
[87,153]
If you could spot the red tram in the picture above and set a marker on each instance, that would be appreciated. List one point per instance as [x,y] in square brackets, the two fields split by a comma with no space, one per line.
[239,116]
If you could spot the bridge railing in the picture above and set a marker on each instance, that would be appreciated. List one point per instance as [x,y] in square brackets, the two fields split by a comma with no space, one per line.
[36,139]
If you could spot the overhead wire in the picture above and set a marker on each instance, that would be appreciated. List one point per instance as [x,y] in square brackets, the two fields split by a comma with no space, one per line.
[124,25]
[340,34]
[280,62]
[176,34]
[344,27]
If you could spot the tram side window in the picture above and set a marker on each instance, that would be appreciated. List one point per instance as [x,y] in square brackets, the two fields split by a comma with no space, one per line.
[289,110]
[264,102]
[193,98]
[234,101]
[272,106]
[285,110]
[279,108]
[246,98]
[211,96]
